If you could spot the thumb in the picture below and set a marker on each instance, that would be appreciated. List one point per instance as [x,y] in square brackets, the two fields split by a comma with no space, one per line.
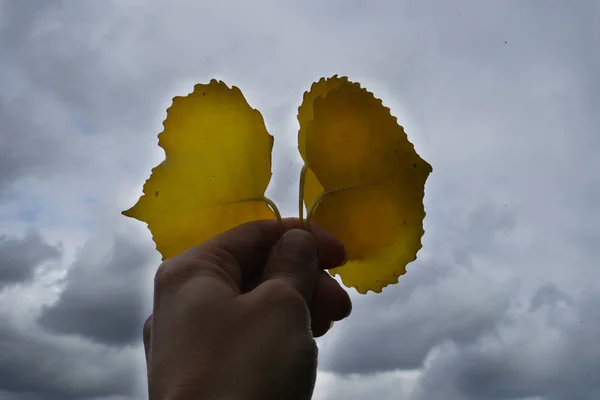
[294,259]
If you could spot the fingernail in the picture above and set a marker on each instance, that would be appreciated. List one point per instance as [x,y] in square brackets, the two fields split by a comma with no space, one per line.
[297,246]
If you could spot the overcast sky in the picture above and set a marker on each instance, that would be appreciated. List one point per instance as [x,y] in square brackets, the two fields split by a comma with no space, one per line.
[502,98]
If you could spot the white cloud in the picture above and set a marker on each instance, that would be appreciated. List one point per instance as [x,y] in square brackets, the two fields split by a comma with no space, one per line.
[395,385]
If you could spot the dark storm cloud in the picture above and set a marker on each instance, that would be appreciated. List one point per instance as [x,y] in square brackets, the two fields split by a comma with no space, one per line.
[550,353]
[34,366]
[21,257]
[105,299]
[402,333]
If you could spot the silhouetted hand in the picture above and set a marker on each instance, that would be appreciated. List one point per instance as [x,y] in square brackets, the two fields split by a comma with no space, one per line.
[235,317]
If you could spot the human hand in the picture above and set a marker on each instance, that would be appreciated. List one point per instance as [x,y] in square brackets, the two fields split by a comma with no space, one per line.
[234,318]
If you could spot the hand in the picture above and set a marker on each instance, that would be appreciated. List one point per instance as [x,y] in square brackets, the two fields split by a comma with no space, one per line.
[235,317]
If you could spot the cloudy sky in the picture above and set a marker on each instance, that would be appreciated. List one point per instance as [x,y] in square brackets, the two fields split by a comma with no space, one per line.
[502,99]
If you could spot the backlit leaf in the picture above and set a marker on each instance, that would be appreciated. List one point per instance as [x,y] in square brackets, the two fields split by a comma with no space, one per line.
[362,179]
[369,179]
[215,173]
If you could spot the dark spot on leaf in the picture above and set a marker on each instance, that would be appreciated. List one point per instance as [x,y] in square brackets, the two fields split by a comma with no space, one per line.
[404,222]
[395,151]
[414,165]
[213,176]
[203,93]
[156,193]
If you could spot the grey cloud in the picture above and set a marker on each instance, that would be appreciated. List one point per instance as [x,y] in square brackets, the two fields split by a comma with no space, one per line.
[104,299]
[84,86]
[21,257]
[64,101]
[549,354]
[437,300]
[22,150]
[550,295]
[34,366]
[392,386]
[399,330]
[31,121]
[5,395]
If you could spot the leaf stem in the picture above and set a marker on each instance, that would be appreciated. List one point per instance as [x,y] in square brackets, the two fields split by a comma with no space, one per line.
[301,193]
[265,199]
[273,207]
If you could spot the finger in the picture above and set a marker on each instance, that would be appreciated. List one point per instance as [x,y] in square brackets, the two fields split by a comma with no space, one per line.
[295,260]
[251,243]
[330,299]
[319,324]
[242,251]
[330,303]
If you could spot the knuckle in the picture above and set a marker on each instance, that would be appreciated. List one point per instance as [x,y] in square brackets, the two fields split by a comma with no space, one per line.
[147,329]
[173,272]
[162,276]
[283,293]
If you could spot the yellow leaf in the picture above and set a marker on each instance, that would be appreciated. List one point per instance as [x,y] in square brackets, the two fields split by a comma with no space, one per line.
[362,178]
[215,173]
[310,184]
[364,181]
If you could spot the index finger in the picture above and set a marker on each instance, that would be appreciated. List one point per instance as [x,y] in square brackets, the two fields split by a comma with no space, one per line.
[241,252]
